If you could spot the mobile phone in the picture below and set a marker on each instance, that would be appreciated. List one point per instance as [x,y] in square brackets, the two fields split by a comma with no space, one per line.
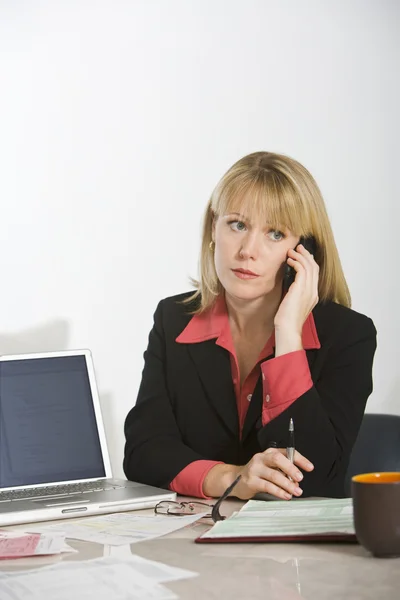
[289,274]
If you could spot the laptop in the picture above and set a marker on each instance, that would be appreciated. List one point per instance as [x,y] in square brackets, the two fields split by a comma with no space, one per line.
[54,461]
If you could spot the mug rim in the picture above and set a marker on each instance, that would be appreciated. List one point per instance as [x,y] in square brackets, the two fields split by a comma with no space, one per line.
[374,478]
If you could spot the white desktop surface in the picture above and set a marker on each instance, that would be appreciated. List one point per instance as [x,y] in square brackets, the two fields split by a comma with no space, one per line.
[251,571]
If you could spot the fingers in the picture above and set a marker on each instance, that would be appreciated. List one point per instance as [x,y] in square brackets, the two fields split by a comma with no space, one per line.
[274,468]
[299,460]
[270,481]
[267,487]
[258,484]
[276,458]
[302,462]
[307,270]
[273,473]
[278,484]
[307,261]
[303,256]
[302,251]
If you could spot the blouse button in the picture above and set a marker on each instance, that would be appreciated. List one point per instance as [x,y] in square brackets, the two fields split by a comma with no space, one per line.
[249,397]
[267,398]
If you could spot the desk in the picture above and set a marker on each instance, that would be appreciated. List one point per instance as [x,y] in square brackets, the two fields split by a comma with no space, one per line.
[253,571]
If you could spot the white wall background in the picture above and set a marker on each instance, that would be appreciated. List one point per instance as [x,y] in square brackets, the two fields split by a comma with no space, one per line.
[118,117]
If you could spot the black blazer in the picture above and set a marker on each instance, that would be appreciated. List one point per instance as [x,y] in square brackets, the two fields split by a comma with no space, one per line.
[186,407]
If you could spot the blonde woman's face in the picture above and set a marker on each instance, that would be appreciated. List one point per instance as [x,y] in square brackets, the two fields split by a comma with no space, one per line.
[249,257]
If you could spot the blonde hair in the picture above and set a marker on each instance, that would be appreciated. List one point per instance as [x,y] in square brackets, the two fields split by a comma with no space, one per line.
[278,190]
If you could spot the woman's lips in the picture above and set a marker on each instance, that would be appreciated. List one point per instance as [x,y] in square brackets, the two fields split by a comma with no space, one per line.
[244,274]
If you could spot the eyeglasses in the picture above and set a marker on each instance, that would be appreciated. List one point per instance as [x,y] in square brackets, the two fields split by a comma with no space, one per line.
[181,509]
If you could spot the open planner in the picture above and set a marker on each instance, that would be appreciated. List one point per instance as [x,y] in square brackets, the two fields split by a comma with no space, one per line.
[323,520]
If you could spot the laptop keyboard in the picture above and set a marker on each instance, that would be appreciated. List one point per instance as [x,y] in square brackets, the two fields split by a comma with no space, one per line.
[57,490]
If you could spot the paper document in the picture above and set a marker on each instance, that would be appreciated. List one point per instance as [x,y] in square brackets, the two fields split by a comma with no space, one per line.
[329,507]
[258,519]
[52,543]
[159,572]
[102,578]
[120,528]
[17,544]
[14,543]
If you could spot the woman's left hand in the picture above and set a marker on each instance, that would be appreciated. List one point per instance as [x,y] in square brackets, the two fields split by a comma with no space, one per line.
[302,295]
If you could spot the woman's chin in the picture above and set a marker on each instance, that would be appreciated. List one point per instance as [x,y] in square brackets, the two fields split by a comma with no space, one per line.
[246,292]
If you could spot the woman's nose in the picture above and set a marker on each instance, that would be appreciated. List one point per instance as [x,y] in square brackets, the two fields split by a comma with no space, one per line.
[249,248]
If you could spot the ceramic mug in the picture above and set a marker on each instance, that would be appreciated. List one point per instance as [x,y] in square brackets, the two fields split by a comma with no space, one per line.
[376,506]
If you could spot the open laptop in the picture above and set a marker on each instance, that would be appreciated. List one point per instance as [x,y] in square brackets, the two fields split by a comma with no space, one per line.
[54,461]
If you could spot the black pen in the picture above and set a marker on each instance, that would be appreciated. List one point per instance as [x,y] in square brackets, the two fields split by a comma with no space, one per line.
[290,447]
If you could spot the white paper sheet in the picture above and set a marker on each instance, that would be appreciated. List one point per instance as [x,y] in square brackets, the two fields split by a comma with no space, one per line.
[102,578]
[52,543]
[120,528]
[159,572]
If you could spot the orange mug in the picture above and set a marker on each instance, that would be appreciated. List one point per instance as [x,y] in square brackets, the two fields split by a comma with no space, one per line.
[376,507]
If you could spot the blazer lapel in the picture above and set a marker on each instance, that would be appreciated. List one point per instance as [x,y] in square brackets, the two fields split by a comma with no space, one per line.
[213,366]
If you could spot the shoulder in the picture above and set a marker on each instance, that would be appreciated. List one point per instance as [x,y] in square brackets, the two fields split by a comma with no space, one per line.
[178,305]
[178,299]
[335,320]
[175,312]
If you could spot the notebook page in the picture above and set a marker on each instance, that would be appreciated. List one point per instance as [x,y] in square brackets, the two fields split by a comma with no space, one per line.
[279,518]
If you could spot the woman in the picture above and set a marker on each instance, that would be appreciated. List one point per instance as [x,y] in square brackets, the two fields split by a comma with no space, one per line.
[228,366]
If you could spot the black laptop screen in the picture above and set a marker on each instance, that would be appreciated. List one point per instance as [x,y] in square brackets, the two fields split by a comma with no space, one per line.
[48,428]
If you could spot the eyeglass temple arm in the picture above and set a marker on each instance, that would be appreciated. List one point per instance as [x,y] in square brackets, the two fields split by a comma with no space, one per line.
[215,514]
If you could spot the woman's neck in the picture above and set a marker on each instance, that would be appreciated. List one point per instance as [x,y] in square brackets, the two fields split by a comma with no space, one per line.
[256,315]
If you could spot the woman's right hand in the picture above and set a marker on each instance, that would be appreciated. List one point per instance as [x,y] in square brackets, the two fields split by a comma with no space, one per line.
[269,472]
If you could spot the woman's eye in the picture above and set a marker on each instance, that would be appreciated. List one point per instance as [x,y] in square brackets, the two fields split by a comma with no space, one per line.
[276,235]
[237,225]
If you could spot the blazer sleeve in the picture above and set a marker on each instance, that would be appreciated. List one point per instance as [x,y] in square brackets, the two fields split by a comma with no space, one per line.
[154,450]
[328,416]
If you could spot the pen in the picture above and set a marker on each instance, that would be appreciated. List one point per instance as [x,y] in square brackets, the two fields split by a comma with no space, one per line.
[290,446]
